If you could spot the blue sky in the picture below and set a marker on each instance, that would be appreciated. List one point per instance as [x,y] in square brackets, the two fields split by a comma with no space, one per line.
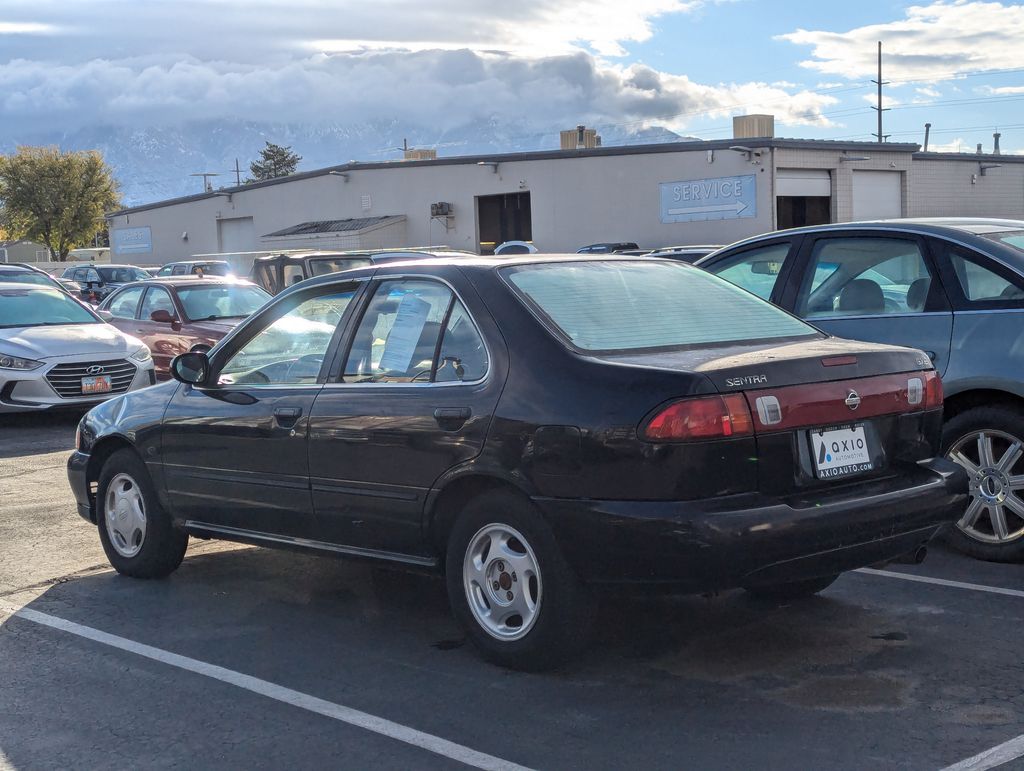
[688,64]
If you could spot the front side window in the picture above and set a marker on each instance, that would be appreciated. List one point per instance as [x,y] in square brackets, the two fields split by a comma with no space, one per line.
[220,301]
[397,338]
[864,277]
[165,270]
[36,306]
[124,304]
[756,270]
[291,349]
[157,299]
[979,283]
[614,306]
[179,270]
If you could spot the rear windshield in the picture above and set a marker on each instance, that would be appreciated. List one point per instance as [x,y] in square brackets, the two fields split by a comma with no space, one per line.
[635,305]
[324,265]
[25,277]
[122,275]
[33,306]
[1014,238]
[220,301]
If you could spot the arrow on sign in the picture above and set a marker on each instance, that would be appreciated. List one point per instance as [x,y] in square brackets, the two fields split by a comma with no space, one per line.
[735,206]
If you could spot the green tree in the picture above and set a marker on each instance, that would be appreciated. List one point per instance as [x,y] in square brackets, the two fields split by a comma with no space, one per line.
[274,161]
[55,198]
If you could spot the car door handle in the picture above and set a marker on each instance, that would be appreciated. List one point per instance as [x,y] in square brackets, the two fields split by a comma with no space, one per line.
[452,417]
[286,416]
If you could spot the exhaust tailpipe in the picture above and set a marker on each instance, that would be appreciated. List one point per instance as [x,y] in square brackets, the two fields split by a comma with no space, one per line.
[915,557]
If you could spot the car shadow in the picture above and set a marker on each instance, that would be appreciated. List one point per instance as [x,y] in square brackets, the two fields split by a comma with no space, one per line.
[24,434]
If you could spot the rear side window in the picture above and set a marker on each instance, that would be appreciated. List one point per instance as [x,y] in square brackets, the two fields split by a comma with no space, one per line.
[979,283]
[865,277]
[635,305]
[124,304]
[397,338]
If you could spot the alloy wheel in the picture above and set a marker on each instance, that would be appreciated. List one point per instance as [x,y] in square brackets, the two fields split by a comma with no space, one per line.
[502,581]
[993,459]
[125,514]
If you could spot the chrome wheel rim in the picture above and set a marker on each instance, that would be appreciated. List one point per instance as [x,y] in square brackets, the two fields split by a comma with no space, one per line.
[502,581]
[993,460]
[125,514]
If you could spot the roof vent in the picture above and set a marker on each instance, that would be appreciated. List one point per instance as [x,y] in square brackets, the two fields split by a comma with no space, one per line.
[751,126]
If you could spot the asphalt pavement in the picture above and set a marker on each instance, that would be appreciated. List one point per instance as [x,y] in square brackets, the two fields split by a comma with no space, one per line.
[254,658]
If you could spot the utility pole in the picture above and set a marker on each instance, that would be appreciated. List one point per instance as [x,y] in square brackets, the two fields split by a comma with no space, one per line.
[238,174]
[879,109]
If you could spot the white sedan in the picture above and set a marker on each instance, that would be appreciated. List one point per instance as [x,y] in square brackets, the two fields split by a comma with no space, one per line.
[55,352]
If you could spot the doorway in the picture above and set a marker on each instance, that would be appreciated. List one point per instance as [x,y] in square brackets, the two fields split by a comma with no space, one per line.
[502,218]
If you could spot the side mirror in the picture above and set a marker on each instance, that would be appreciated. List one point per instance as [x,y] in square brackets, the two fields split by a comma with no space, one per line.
[192,368]
[105,314]
[200,348]
[161,317]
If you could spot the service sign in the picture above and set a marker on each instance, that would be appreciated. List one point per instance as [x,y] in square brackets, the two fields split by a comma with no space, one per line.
[720,198]
[131,240]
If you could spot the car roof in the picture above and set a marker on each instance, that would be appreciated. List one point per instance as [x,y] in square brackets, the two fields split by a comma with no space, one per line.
[473,263]
[12,267]
[949,227]
[191,280]
[369,253]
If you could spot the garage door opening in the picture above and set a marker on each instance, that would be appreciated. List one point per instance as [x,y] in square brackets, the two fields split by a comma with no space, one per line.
[877,195]
[503,218]
[803,197]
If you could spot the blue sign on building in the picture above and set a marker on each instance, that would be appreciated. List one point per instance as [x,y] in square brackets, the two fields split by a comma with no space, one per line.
[131,240]
[721,198]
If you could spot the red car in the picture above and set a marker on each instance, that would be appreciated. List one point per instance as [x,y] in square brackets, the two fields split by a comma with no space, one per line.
[173,315]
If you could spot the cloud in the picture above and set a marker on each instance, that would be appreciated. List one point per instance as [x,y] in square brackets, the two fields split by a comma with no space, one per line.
[27,28]
[1004,90]
[931,43]
[433,88]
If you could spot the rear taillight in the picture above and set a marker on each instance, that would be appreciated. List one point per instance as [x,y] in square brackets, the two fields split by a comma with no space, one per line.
[704,417]
[933,395]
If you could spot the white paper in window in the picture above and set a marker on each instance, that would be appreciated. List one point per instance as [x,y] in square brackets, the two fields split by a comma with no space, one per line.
[405,334]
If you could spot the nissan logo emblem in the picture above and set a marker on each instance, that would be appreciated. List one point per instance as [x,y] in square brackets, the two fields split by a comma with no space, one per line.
[95,369]
[853,400]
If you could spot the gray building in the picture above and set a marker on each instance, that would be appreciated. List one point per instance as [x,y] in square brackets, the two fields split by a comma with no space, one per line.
[656,195]
[22,250]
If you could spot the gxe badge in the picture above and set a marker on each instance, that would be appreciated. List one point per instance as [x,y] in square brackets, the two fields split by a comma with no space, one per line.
[853,400]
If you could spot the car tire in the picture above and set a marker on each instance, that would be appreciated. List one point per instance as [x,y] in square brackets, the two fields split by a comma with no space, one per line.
[979,537]
[137,534]
[791,590]
[522,606]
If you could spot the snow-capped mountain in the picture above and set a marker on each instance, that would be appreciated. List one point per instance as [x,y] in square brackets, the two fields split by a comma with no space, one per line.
[156,163]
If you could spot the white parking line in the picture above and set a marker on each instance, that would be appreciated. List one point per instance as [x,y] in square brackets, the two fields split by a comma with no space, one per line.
[997,756]
[353,717]
[941,582]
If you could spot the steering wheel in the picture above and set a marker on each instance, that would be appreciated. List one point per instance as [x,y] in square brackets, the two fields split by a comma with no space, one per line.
[309,358]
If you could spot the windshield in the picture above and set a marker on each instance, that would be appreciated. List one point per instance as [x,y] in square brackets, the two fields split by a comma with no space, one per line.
[1012,238]
[122,275]
[323,265]
[628,306]
[219,301]
[25,277]
[32,306]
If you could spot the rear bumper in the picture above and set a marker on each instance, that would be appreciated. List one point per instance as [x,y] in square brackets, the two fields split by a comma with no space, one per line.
[748,539]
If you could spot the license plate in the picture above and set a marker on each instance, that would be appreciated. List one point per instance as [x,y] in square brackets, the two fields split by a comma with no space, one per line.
[840,452]
[96,385]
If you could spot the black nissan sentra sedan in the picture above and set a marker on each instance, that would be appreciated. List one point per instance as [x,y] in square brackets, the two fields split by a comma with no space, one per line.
[540,429]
